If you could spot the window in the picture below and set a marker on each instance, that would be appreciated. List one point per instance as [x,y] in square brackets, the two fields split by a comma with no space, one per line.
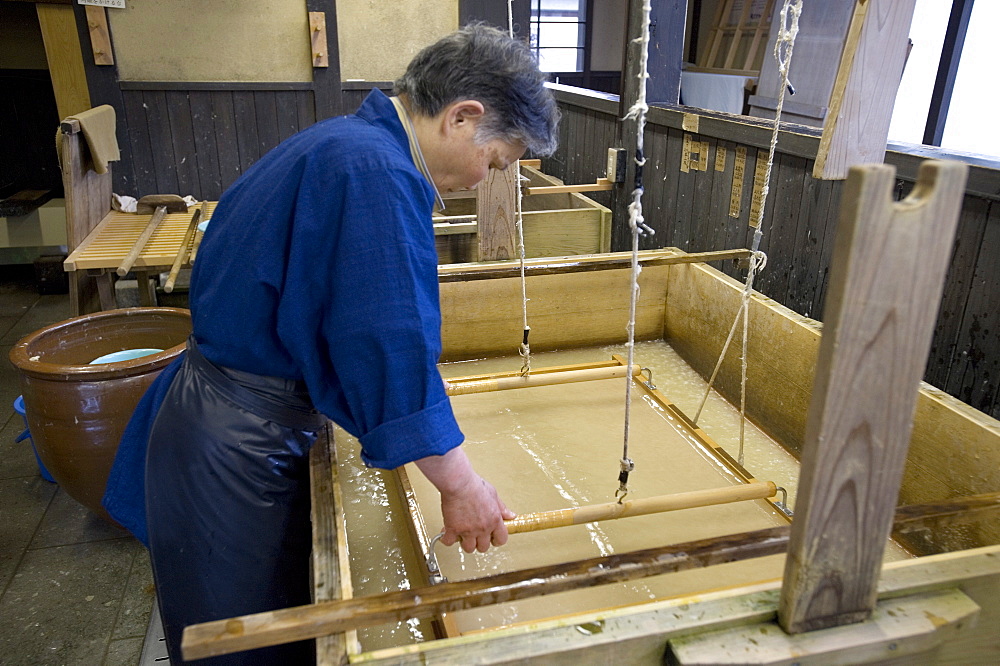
[558,34]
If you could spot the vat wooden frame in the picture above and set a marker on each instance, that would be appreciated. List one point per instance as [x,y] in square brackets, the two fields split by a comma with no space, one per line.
[691,306]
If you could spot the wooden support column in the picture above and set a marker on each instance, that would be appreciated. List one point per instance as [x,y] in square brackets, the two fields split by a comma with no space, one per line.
[65,58]
[856,127]
[666,49]
[496,215]
[886,279]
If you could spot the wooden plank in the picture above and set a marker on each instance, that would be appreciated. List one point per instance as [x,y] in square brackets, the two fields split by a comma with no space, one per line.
[805,272]
[784,210]
[227,138]
[184,148]
[958,285]
[327,93]
[64,56]
[975,374]
[245,122]
[317,38]
[496,214]
[878,324]
[287,114]
[305,110]
[266,108]
[304,622]
[138,138]
[161,144]
[100,38]
[206,141]
[701,211]
[718,214]
[857,124]
[329,541]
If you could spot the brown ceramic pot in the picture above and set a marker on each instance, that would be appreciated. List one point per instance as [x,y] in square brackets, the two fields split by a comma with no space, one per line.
[77,412]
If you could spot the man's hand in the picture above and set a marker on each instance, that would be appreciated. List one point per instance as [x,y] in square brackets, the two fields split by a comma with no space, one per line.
[473,511]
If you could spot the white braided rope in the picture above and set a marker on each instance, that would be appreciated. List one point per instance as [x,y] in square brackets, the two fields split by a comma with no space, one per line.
[789,29]
[525,349]
[638,226]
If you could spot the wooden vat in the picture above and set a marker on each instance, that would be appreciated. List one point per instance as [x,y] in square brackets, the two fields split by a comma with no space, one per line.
[942,607]
[567,223]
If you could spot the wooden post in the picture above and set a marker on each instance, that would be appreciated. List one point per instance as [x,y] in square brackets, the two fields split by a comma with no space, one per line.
[857,123]
[330,564]
[88,199]
[496,213]
[887,274]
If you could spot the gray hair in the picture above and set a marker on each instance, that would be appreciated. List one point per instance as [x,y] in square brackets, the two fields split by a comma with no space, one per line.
[484,64]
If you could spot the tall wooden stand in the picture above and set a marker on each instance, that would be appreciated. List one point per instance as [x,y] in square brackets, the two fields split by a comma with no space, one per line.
[886,279]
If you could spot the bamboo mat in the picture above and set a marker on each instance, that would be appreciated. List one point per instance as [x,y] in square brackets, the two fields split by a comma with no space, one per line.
[110,241]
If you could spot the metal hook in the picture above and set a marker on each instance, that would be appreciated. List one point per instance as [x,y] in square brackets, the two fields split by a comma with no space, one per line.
[434,571]
[783,502]
[649,384]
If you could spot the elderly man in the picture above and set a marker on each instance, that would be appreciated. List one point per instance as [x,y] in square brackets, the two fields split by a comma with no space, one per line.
[315,296]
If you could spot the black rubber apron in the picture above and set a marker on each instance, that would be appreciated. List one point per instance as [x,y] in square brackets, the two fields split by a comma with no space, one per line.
[227,501]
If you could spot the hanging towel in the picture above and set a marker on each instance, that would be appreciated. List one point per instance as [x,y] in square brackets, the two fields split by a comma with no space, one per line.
[98,127]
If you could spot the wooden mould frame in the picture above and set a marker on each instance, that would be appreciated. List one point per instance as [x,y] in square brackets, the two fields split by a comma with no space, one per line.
[443,625]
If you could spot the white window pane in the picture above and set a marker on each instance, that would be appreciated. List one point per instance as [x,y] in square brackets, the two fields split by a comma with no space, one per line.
[565,35]
[559,60]
[972,117]
[909,116]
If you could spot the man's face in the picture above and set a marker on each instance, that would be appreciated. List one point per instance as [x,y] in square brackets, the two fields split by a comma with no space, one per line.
[469,162]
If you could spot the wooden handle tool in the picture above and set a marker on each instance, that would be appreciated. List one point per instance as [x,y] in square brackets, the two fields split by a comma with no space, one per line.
[502,383]
[164,203]
[182,253]
[544,520]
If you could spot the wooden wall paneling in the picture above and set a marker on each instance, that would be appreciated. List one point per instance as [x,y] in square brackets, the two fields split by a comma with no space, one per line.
[227,137]
[658,217]
[305,109]
[183,145]
[245,113]
[717,229]
[161,145]
[288,115]
[265,105]
[785,204]
[684,201]
[804,271]
[829,241]
[672,163]
[701,205]
[740,231]
[137,139]
[206,143]
[975,374]
[958,285]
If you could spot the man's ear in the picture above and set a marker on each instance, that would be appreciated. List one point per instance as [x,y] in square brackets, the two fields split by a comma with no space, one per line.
[463,114]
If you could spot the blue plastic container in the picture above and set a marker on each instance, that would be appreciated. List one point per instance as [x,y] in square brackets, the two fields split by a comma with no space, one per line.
[26,435]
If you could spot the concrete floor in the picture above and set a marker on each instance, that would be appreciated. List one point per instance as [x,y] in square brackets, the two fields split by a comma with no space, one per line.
[73,588]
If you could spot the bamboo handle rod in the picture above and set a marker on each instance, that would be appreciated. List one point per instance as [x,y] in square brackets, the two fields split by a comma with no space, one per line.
[154,222]
[302,622]
[182,252]
[602,185]
[460,387]
[544,520]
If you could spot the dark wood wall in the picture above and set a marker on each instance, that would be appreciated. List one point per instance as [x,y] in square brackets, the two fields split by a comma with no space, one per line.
[691,210]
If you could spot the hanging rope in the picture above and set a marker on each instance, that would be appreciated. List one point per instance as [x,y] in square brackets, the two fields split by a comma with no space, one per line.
[789,28]
[639,227]
[525,350]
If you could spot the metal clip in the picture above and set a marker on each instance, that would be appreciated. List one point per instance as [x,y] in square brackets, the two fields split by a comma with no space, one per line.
[434,571]
[783,503]
[649,383]
[627,466]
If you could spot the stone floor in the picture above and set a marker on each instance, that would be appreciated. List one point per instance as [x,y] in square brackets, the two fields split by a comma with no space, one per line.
[73,588]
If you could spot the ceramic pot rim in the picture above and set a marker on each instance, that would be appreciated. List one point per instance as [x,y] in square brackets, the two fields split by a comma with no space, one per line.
[21,358]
